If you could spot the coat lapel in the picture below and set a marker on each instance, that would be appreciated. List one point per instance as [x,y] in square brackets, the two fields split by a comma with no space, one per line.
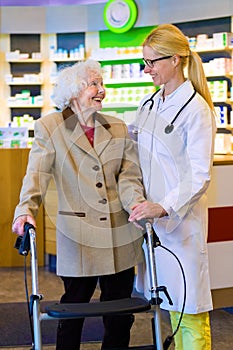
[102,135]
[77,135]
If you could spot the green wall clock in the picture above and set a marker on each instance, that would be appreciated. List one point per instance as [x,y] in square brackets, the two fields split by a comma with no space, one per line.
[120,15]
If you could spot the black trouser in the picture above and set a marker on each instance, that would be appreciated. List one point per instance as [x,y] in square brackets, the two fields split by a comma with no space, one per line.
[80,290]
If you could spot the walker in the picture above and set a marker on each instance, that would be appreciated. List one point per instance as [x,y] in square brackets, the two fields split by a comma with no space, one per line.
[82,310]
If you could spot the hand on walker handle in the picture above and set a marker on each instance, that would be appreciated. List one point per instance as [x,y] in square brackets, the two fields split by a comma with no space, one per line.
[18,224]
[147,210]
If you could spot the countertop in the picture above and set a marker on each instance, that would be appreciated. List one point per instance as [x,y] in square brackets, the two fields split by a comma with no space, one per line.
[223,159]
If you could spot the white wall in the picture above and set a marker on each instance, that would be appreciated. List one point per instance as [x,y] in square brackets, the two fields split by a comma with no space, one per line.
[60,19]
[52,19]
[22,19]
[187,10]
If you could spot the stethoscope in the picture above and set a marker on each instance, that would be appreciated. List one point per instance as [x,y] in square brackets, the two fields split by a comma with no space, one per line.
[170,127]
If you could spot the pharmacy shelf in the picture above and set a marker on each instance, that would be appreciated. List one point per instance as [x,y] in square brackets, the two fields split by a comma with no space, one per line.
[26,60]
[223,75]
[24,83]
[68,59]
[120,107]
[127,81]
[11,105]
[228,101]
[214,49]
[118,58]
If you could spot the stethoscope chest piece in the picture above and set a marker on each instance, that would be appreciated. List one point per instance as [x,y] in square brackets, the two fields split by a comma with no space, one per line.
[169,128]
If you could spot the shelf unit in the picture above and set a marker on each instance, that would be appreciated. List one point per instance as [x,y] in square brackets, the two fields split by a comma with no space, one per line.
[42,43]
[64,60]
[225,75]
[17,71]
[215,49]
[26,60]
[24,83]
[24,75]
[123,90]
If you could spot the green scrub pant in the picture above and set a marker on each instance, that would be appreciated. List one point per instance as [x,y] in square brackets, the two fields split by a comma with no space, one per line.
[194,332]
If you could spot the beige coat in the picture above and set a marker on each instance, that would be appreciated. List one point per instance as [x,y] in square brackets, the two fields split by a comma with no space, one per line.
[97,186]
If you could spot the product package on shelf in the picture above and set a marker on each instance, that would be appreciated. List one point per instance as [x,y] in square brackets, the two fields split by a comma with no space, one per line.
[13,137]
[25,99]
[223,144]
[218,41]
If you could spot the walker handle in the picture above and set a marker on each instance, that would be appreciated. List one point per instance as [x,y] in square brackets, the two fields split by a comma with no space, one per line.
[23,242]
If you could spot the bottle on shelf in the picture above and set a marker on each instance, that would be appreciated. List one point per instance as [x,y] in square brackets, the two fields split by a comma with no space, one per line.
[81,52]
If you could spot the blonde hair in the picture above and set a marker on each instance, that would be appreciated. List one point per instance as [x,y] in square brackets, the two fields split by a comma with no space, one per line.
[71,80]
[168,40]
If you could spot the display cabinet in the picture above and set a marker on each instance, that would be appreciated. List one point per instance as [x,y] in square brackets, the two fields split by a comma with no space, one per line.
[65,49]
[124,79]
[31,62]
[218,68]
[30,72]
[25,77]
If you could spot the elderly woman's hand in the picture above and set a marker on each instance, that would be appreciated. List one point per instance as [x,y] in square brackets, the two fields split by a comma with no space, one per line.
[18,224]
[147,210]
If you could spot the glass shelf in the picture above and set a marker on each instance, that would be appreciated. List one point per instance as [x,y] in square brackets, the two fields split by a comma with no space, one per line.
[11,105]
[25,83]
[26,60]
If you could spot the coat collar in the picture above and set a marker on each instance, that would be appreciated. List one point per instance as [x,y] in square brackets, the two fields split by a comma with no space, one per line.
[180,95]
[102,135]
[71,119]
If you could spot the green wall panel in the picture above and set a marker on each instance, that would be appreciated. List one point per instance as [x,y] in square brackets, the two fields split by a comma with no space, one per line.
[134,37]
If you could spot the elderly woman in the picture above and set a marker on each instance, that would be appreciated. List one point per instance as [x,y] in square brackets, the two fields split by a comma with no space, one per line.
[98,179]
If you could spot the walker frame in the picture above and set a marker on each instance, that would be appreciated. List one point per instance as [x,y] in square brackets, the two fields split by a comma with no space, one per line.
[116,307]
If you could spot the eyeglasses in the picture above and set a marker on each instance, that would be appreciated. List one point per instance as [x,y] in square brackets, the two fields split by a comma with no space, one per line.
[150,63]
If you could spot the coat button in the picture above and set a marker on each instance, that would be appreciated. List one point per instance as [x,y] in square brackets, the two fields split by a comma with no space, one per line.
[99,184]
[96,167]
[103,201]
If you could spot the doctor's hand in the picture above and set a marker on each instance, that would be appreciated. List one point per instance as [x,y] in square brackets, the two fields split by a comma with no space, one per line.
[147,210]
[18,224]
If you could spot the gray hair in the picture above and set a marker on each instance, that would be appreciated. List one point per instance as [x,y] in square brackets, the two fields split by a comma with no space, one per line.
[71,80]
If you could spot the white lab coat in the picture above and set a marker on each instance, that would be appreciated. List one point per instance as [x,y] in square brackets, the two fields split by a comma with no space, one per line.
[176,173]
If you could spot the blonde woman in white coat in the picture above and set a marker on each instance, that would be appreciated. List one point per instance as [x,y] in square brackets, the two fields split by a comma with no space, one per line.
[96,170]
[176,130]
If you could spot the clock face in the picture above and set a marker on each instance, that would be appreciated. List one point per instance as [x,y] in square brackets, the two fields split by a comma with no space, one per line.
[120,15]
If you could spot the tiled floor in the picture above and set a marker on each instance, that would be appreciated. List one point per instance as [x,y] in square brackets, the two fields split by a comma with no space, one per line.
[83,347]
[13,290]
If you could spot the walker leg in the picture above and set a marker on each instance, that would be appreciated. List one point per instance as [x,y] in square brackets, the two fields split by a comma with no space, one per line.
[37,325]
[157,328]
[36,302]
[155,299]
